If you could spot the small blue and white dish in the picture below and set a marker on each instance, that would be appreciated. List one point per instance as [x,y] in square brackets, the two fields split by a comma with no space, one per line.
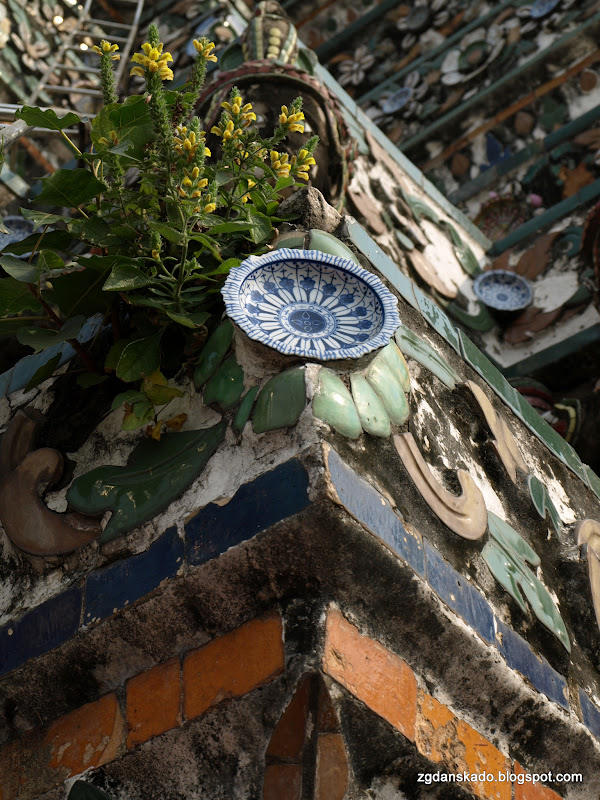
[19,227]
[541,8]
[311,304]
[502,290]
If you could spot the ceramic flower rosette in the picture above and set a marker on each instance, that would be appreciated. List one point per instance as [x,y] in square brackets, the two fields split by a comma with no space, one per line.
[311,304]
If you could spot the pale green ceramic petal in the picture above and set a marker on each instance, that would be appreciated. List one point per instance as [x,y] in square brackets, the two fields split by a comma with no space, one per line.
[395,360]
[327,243]
[226,385]
[382,379]
[280,402]
[371,411]
[243,413]
[412,345]
[333,404]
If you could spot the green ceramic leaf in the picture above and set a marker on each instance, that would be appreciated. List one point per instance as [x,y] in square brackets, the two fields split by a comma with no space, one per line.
[382,379]
[371,411]
[139,358]
[157,473]
[280,402]
[421,351]
[327,243]
[507,556]
[333,404]
[481,321]
[542,502]
[213,353]
[69,187]
[226,386]
[243,413]
[393,357]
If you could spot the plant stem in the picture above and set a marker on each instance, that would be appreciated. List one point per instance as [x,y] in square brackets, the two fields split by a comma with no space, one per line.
[73,145]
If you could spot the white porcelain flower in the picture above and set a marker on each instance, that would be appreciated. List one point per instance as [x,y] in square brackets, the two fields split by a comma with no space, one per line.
[473,55]
[353,70]
[400,102]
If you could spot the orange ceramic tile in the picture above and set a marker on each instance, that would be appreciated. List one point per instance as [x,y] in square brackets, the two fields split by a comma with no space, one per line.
[233,664]
[530,791]
[10,767]
[332,767]
[283,781]
[153,702]
[379,678]
[287,741]
[445,739]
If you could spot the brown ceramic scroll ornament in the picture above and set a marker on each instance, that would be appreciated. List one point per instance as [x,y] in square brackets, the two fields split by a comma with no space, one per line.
[24,475]
[466,514]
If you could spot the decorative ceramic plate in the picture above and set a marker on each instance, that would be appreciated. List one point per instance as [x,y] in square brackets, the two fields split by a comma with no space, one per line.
[312,304]
[503,290]
[540,8]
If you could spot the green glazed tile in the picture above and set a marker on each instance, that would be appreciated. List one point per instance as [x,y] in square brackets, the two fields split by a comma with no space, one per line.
[157,473]
[393,357]
[327,243]
[371,250]
[371,411]
[383,380]
[280,402]
[437,318]
[508,557]
[404,241]
[333,404]
[415,347]
[490,374]
[213,353]
[226,385]
[243,413]
[593,480]
[542,502]
[481,321]
[293,240]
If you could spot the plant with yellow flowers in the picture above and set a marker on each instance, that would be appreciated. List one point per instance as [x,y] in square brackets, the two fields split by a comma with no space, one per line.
[162,220]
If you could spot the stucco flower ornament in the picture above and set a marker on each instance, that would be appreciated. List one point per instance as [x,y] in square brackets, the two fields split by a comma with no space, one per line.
[473,55]
[400,102]
[353,70]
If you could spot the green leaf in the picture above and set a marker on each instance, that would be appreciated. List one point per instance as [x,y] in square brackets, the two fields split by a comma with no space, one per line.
[131,120]
[114,354]
[283,183]
[261,228]
[139,358]
[49,261]
[47,119]
[20,270]
[258,201]
[142,414]
[41,338]
[52,240]
[156,388]
[41,218]
[189,320]
[16,297]
[125,277]
[130,397]
[96,231]
[79,290]
[44,372]
[69,187]
[88,379]
[223,268]
[166,231]
[158,473]
[229,227]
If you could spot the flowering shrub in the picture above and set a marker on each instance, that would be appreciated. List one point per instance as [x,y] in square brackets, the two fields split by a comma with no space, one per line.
[162,241]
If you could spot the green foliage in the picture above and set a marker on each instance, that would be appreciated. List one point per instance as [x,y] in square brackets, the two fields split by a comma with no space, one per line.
[161,248]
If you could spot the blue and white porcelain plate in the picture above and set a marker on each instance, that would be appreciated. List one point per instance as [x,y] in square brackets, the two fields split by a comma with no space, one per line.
[540,8]
[312,304]
[503,290]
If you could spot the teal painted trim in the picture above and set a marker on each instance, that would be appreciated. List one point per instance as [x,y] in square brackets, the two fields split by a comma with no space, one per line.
[432,54]
[459,112]
[554,213]
[551,354]
[566,133]
[328,48]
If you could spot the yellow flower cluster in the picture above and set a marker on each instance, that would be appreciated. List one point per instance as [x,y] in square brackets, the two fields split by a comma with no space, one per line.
[192,184]
[227,130]
[236,108]
[302,164]
[246,197]
[280,163]
[291,121]
[109,142]
[106,48]
[203,47]
[187,143]
[152,59]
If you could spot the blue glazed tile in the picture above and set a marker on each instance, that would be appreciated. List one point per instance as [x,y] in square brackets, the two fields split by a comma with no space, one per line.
[456,591]
[365,503]
[520,656]
[40,630]
[590,713]
[371,250]
[110,589]
[437,319]
[489,373]
[270,498]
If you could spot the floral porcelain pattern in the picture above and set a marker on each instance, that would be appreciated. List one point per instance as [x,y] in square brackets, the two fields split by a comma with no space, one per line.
[503,290]
[311,304]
